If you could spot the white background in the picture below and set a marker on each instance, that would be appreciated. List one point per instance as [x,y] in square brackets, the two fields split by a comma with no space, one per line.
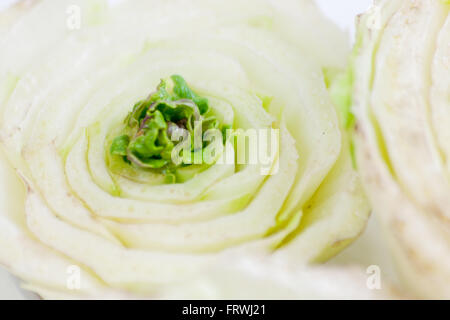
[364,251]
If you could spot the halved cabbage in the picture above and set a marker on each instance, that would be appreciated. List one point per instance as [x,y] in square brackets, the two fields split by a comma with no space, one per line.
[401,99]
[63,89]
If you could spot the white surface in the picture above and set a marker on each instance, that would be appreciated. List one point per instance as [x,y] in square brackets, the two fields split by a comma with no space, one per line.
[344,12]
[6,3]
[363,251]
[8,286]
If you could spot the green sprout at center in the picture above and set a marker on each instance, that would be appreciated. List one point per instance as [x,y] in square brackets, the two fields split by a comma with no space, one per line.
[146,140]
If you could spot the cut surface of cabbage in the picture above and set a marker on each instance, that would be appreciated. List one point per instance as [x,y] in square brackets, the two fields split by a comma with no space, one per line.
[401,100]
[71,71]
